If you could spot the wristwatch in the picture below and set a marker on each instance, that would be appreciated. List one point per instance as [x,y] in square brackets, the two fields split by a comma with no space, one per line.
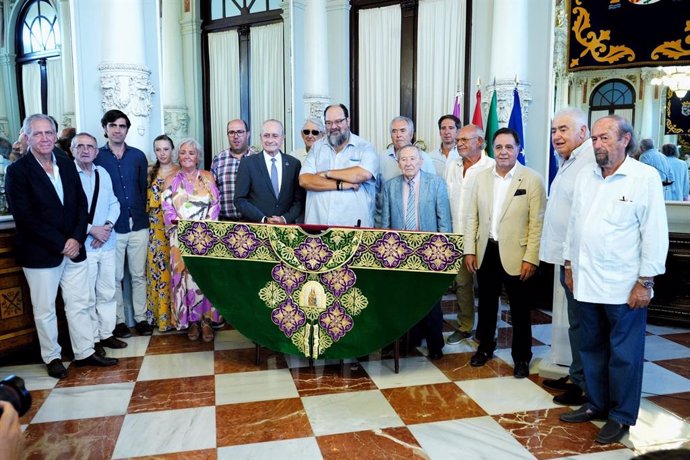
[647,284]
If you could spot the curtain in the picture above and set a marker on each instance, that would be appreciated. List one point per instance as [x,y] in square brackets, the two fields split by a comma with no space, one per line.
[267,92]
[379,72]
[224,81]
[56,90]
[31,87]
[440,60]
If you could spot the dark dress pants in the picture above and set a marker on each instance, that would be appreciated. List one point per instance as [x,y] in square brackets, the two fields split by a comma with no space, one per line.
[430,327]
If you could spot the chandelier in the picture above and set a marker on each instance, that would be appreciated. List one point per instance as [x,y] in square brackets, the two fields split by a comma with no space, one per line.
[677,79]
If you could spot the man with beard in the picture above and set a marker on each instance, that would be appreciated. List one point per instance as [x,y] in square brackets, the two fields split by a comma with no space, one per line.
[616,243]
[225,165]
[339,175]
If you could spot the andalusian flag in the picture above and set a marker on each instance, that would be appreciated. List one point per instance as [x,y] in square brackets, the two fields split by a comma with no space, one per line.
[491,125]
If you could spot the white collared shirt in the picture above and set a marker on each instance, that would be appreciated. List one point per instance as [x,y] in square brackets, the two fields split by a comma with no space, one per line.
[267,159]
[617,231]
[460,187]
[501,185]
[55,178]
[440,161]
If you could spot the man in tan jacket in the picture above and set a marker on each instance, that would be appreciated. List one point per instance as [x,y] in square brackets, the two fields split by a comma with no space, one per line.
[502,234]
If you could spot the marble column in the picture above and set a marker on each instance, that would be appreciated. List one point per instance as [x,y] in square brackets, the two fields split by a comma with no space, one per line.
[337,48]
[649,123]
[125,76]
[68,118]
[190,28]
[4,121]
[316,94]
[175,116]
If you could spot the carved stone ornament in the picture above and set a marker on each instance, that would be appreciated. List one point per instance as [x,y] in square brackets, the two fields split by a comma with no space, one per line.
[176,121]
[504,99]
[126,87]
[315,105]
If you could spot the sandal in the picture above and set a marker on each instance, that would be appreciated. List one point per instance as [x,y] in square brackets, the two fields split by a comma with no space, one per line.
[193,332]
[206,330]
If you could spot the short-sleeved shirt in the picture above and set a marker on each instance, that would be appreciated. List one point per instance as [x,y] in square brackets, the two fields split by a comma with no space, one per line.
[342,207]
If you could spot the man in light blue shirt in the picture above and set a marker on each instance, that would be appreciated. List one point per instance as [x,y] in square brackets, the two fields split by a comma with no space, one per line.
[104,209]
[656,160]
[339,175]
[679,168]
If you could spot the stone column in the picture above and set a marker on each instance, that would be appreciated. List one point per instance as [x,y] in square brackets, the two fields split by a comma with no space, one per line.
[648,122]
[316,93]
[68,117]
[4,121]
[175,116]
[190,26]
[125,77]
[338,13]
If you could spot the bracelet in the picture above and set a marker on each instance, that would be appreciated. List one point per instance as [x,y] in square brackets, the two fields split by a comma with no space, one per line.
[338,185]
[567,266]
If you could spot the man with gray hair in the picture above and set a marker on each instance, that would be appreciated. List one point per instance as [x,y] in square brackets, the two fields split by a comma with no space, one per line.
[656,160]
[570,139]
[312,131]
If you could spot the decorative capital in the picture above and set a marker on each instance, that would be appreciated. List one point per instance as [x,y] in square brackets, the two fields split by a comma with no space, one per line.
[126,87]
[504,99]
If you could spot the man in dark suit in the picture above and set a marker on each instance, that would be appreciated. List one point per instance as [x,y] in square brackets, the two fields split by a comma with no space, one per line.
[502,235]
[418,201]
[267,188]
[50,213]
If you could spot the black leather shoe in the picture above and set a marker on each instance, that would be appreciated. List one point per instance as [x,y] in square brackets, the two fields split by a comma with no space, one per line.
[480,358]
[56,369]
[611,432]
[558,384]
[122,331]
[435,356]
[572,397]
[95,360]
[521,370]
[98,349]
[112,342]
[583,414]
[144,328]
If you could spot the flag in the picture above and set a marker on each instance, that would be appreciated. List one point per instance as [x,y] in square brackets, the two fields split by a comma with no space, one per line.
[491,125]
[456,106]
[477,117]
[515,123]
[553,165]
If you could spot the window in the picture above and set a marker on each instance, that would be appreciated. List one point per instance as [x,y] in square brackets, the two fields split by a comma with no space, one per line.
[612,96]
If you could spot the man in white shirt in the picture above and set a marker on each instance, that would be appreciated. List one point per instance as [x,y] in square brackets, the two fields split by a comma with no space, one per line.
[448,127]
[616,243]
[459,175]
[570,138]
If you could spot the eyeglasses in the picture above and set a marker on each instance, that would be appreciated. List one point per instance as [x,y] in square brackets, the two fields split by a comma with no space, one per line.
[335,122]
[85,147]
[239,132]
[313,132]
[465,140]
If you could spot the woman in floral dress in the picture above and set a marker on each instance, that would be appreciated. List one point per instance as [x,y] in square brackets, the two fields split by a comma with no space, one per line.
[190,194]
[158,258]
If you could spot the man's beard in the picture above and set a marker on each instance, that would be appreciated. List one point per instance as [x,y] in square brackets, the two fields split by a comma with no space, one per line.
[242,149]
[336,140]
[602,158]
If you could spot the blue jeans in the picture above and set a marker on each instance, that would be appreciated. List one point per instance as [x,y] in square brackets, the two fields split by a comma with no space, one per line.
[612,356]
[574,334]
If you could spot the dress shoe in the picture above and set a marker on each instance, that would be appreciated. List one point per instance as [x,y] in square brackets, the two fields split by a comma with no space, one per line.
[193,332]
[521,370]
[457,337]
[144,328]
[56,369]
[112,342]
[572,397]
[611,432]
[206,331]
[95,360]
[220,324]
[583,414]
[122,331]
[435,356]
[98,349]
[557,384]
[480,358]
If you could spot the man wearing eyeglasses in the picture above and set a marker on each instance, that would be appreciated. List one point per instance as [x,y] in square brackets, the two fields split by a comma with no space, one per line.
[339,175]
[225,165]
[101,259]
[50,212]
[460,175]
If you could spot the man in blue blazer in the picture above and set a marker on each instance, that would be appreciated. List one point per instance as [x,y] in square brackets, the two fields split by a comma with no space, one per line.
[418,201]
[267,188]
[49,207]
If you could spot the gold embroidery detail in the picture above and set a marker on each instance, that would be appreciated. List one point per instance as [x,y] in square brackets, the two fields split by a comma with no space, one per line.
[594,43]
[673,49]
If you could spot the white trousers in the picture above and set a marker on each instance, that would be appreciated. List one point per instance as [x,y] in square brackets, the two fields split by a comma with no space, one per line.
[102,292]
[133,245]
[43,285]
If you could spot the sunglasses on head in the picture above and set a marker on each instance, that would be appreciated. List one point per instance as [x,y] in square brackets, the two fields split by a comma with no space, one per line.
[313,132]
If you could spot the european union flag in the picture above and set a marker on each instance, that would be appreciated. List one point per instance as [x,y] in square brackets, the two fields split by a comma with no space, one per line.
[515,123]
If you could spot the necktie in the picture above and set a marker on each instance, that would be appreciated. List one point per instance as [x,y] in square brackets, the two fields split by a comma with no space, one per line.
[410,214]
[274,176]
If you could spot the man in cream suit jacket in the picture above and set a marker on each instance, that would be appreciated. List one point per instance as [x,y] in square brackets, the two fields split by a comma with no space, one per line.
[502,235]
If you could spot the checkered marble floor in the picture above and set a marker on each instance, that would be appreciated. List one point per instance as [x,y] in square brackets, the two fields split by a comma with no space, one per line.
[172,398]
